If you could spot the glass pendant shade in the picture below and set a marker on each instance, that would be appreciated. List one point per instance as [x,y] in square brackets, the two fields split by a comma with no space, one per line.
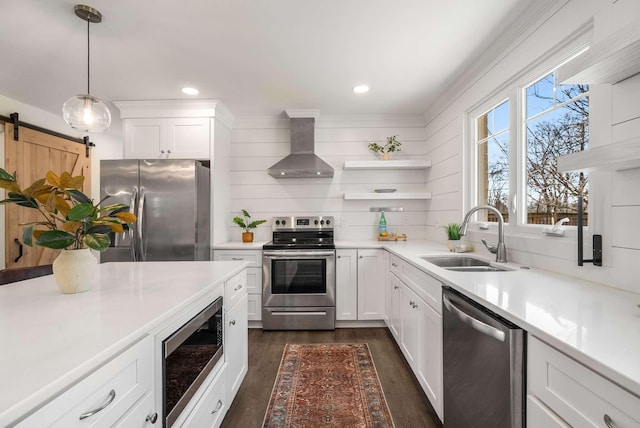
[86,113]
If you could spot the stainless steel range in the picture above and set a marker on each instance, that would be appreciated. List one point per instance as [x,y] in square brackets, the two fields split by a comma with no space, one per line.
[299,275]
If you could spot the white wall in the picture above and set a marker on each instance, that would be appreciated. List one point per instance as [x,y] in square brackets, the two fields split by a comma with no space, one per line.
[258,143]
[615,116]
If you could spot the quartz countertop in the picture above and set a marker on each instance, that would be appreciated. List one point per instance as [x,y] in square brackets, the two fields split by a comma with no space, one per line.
[239,245]
[50,340]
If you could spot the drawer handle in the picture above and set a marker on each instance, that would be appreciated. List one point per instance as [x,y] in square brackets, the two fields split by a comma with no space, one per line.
[239,287]
[232,322]
[237,258]
[152,418]
[607,421]
[394,265]
[218,407]
[395,287]
[112,396]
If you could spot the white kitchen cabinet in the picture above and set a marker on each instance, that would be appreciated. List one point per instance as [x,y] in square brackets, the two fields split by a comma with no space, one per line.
[142,415]
[371,273]
[346,284]
[236,352]
[105,396]
[575,393]
[167,138]
[211,407]
[254,277]
[415,321]
[539,415]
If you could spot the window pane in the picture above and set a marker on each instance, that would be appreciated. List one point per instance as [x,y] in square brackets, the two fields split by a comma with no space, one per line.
[540,96]
[501,118]
[567,92]
[552,195]
[493,176]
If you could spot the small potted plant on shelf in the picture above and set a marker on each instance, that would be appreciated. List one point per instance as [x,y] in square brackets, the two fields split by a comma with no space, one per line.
[69,221]
[453,235]
[392,146]
[247,235]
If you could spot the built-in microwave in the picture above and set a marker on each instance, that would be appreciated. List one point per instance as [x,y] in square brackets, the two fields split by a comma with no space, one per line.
[189,355]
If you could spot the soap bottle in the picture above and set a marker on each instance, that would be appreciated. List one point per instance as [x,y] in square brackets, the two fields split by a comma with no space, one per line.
[382,227]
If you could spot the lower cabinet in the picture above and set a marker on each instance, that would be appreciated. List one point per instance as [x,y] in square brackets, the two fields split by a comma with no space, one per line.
[360,281]
[236,352]
[417,326]
[106,396]
[254,276]
[211,408]
[570,394]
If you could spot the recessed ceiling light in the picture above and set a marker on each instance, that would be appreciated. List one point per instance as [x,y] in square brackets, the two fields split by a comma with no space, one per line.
[361,89]
[190,91]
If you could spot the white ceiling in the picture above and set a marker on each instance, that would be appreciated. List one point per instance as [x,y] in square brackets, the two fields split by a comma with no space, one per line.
[258,56]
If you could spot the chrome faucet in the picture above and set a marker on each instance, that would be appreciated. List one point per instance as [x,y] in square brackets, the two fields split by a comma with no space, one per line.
[499,250]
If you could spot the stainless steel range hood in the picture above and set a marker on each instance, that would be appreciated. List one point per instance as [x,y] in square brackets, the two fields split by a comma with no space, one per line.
[302,162]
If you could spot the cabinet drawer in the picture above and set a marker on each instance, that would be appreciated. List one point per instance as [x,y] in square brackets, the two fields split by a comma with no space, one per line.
[539,415]
[141,416]
[210,409]
[254,257]
[577,394]
[425,286]
[113,388]
[254,280]
[395,264]
[255,307]
[235,288]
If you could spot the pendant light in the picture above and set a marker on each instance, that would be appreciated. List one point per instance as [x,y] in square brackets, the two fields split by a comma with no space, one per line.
[86,112]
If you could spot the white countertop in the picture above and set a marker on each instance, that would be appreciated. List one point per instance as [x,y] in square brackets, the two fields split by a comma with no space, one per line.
[49,340]
[239,245]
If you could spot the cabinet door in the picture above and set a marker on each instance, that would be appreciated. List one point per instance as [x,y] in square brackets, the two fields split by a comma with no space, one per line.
[394,296]
[346,285]
[236,345]
[255,307]
[429,370]
[371,291]
[145,138]
[211,407]
[188,138]
[409,330]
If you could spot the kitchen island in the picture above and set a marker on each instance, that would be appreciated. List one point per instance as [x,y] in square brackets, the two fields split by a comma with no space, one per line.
[51,341]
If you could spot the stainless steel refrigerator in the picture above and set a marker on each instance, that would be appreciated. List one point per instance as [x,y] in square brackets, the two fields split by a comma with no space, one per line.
[172,201]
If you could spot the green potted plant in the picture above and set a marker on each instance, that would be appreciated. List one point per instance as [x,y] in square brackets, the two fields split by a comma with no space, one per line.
[69,221]
[247,225]
[392,146]
[453,235]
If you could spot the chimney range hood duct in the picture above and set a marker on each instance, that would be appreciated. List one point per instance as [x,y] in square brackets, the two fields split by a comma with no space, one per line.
[302,162]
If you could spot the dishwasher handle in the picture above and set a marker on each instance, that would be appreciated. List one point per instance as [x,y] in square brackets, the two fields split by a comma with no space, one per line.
[474,323]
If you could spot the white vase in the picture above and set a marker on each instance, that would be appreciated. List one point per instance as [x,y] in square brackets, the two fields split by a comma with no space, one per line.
[452,244]
[74,270]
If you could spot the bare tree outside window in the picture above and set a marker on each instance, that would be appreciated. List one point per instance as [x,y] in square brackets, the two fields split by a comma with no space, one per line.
[557,124]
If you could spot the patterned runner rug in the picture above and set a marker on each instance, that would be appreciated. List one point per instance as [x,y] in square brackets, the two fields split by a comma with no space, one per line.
[327,385]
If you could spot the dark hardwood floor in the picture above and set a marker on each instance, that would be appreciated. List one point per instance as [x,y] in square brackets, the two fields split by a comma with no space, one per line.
[409,406]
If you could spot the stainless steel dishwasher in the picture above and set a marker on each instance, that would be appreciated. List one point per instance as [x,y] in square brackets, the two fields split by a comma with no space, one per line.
[483,366]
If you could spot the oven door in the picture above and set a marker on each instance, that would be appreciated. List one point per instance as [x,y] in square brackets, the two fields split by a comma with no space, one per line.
[299,278]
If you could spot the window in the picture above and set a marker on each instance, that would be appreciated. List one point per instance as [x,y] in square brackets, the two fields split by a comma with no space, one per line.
[516,144]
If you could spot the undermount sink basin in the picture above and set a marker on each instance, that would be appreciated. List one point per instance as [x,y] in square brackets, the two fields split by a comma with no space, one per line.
[463,264]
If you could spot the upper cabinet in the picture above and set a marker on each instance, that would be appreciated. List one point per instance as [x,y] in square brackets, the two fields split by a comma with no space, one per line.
[610,60]
[171,129]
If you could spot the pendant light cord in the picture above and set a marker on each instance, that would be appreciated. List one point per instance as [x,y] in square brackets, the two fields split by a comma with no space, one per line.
[88,58]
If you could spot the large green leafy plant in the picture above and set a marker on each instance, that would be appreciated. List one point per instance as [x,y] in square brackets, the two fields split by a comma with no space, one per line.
[69,218]
[245,224]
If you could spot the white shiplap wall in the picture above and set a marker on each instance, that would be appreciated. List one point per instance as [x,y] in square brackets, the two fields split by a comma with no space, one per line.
[258,143]
[615,116]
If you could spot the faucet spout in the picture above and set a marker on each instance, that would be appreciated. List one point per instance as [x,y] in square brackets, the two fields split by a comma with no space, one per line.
[500,250]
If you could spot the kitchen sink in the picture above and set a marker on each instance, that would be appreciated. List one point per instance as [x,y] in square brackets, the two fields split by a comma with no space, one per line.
[463,264]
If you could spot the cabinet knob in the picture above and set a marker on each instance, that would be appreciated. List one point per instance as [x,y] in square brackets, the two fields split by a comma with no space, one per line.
[168,151]
[607,421]
[239,287]
[218,407]
[395,287]
[162,151]
[339,257]
[394,265]
[362,257]
[232,322]
[152,418]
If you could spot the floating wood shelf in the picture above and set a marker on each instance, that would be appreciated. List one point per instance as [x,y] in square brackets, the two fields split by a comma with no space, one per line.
[380,196]
[388,164]
[612,157]
[611,60]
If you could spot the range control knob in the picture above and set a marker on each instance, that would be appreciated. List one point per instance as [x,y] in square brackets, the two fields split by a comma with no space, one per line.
[328,222]
[315,222]
[321,222]
[277,222]
[284,222]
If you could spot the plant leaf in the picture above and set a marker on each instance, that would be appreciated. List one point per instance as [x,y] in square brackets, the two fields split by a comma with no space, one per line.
[71,226]
[10,185]
[53,179]
[62,205]
[116,227]
[77,182]
[97,241]
[4,175]
[35,186]
[80,197]
[80,211]
[255,224]
[246,214]
[20,199]
[127,217]
[56,239]
[66,181]
[239,221]
[27,235]
[99,229]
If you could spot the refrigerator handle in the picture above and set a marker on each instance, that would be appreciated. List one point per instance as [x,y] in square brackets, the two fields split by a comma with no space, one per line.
[142,249]
[132,210]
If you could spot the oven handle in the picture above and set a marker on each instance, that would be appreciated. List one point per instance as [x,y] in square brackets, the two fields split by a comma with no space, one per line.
[296,254]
